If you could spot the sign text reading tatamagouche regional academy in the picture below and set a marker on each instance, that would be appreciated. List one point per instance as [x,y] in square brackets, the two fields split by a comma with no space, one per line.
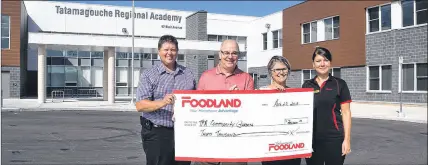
[117,13]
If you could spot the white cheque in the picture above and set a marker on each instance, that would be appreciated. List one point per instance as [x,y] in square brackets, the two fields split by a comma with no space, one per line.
[243,126]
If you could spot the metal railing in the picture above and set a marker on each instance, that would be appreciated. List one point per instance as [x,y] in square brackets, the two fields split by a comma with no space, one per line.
[87,92]
[57,93]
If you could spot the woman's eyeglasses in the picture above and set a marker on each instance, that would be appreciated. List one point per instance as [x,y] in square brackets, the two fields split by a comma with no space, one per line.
[279,70]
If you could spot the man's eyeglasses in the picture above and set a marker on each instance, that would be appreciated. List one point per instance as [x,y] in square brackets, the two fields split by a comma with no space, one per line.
[284,70]
[226,53]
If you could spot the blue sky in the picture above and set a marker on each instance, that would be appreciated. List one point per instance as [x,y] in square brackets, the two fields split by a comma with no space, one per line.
[250,8]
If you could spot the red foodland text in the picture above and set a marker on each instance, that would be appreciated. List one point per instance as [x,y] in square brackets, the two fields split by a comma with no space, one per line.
[210,103]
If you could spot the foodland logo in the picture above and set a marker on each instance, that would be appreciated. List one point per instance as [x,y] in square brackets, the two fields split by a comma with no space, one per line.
[210,103]
[285,146]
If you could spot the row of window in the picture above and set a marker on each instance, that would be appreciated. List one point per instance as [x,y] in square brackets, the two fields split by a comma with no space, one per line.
[310,73]
[5,31]
[415,77]
[321,30]
[91,55]
[221,38]
[414,12]
[276,39]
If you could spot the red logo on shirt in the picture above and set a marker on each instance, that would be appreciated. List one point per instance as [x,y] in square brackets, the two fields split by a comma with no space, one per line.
[329,89]
[210,103]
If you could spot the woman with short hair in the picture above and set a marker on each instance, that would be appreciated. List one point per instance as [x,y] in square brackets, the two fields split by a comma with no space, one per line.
[279,69]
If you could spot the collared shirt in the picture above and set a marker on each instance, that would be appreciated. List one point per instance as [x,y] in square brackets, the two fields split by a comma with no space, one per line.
[214,79]
[156,82]
[327,111]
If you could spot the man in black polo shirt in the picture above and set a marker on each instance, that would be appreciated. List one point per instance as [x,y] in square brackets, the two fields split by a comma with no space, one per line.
[332,115]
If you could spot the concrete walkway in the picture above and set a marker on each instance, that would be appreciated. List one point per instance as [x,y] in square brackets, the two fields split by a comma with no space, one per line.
[67,104]
[387,111]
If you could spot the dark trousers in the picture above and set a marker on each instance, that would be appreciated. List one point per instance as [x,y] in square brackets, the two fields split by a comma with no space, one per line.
[283,162]
[328,151]
[218,163]
[158,144]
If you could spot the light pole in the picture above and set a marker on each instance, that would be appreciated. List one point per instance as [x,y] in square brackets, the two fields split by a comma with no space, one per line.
[132,58]
[400,64]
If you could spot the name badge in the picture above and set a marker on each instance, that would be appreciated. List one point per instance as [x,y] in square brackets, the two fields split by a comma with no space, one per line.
[316,91]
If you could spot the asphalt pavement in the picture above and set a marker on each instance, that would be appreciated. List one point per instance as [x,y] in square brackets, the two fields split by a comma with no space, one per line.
[107,137]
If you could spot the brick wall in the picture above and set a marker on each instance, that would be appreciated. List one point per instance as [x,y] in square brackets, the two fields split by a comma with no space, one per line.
[295,79]
[202,65]
[260,81]
[355,78]
[15,81]
[196,26]
[385,48]
[197,64]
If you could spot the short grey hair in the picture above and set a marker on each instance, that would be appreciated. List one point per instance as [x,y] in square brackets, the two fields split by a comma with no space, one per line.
[281,59]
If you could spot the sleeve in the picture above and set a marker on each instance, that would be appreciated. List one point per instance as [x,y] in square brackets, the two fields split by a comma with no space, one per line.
[305,84]
[144,90]
[345,95]
[201,83]
[250,83]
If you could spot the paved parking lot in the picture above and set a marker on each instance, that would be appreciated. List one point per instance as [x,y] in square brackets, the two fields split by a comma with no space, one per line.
[106,137]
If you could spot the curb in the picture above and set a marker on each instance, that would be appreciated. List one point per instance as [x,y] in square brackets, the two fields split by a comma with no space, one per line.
[392,119]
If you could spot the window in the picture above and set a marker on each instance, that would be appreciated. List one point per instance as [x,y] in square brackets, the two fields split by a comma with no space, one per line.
[314,32]
[242,40]
[380,78]
[277,38]
[379,18]
[280,38]
[331,28]
[5,31]
[181,59]
[210,62]
[335,72]
[308,74]
[385,19]
[255,79]
[414,12]
[309,32]
[232,37]
[264,41]
[220,38]
[415,77]
[421,11]
[212,38]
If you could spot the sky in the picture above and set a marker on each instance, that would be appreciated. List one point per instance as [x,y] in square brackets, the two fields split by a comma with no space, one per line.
[249,8]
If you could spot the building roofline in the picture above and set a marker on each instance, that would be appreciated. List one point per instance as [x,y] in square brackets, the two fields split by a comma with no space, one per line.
[295,5]
[137,7]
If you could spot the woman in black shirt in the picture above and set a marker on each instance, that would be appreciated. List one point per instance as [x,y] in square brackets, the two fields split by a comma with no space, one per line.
[332,115]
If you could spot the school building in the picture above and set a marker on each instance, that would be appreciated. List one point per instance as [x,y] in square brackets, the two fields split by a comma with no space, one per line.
[84,50]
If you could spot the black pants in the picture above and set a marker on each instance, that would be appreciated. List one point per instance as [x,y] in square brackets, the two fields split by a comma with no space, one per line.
[158,144]
[284,162]
[328,151]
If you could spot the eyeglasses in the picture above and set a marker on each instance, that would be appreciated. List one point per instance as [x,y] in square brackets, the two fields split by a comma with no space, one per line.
[226,53]
[285,70]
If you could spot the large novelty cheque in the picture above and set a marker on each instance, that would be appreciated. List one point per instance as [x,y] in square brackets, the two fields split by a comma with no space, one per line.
[243,126]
